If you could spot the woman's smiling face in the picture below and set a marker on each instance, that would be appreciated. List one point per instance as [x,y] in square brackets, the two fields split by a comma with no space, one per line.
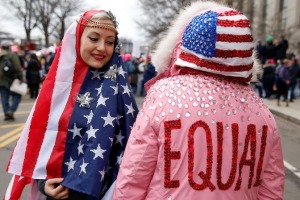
[97,45]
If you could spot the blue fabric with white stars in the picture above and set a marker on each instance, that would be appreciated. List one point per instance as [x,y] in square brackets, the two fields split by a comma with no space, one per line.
[200,34]
[100,124]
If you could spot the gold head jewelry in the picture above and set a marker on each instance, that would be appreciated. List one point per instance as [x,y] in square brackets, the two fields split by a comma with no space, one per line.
[96,23]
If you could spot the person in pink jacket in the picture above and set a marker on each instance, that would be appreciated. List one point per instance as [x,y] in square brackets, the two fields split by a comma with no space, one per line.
[202,132]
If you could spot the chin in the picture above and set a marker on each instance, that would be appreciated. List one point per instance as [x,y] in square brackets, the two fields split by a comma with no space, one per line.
[96,65]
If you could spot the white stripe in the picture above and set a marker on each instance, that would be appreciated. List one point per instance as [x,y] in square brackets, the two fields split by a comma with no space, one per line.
[233,18]
[234,45]
[109,194]
[291,168]
[62,88]
[182,63]
[18,156]
[225,61]
[233,30]
[8,190]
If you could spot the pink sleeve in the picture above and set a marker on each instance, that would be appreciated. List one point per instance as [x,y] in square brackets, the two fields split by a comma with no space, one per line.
[272,185]
[139,161]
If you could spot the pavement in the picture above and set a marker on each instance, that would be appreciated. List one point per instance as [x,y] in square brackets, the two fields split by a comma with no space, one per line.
[291,113]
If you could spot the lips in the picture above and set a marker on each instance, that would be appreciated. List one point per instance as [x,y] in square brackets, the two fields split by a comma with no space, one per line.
[98,57]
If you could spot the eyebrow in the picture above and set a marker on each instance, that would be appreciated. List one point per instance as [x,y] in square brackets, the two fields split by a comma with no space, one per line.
[95,32]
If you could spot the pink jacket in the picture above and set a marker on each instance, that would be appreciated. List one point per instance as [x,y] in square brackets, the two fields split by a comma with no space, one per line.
[199,137]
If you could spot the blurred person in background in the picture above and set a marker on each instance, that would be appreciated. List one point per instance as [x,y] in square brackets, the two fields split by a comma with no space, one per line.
[149,73]
[269,50]
[268,76]
[283,81]
[33,75]
[10,69]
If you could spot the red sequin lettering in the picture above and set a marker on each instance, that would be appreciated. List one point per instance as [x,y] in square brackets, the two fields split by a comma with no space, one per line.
[248,157]
[261,156]
[170,155]
[209,158]
[250,138]
[235,136]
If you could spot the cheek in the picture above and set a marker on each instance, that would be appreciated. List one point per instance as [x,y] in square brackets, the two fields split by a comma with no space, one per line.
[111,51]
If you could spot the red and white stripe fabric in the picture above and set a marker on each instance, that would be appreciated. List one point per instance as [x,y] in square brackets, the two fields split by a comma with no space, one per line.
[15,187]
[220,43]
[39,151]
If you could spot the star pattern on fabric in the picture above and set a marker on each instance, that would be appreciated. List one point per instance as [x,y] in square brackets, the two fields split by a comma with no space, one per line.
[130,109]
[84,100]
[111,73]
[118,119]
[119,159]
[126,90]
[70,164]
[102,100]
[115,88]
[108,120]
[99,89]
[111,140]
[75,131]
[119,138]
[82,167]
[91,132]
[80,148]
[121,72]
[87,155]
[89,117]
[102,172]
[96,74]
[98,152]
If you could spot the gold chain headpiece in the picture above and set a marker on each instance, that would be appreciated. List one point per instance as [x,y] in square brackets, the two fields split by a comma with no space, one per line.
[97,24]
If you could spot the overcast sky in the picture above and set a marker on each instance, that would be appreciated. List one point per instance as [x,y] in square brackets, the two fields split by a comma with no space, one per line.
[126,11]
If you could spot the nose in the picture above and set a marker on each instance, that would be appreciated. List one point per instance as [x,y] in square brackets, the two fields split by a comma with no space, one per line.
[101,46]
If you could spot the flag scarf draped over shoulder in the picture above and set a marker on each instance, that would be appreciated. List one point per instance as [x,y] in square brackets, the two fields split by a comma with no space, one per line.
[80,123]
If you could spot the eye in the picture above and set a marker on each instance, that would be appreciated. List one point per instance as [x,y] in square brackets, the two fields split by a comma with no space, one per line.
[110,43]
[93,39]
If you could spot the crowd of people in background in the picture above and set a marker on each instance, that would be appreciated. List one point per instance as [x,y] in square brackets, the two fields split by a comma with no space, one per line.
[140,70]
[280,71]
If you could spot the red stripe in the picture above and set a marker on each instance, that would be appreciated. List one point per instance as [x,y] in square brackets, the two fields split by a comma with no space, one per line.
[230,13]
[57,155]
[18,187]
[39,120]
[234,38]
[233,53]
[243,23]
[213,65]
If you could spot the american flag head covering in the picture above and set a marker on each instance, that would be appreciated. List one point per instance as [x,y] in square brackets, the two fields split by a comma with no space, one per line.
[80,123]
[207,37]
[218,42]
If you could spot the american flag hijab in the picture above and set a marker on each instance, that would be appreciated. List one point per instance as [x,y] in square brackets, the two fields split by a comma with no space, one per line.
[79,125]
[208,38]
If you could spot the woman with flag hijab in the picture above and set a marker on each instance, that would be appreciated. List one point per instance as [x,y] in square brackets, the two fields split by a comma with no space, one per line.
[202,132]
[74,138]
